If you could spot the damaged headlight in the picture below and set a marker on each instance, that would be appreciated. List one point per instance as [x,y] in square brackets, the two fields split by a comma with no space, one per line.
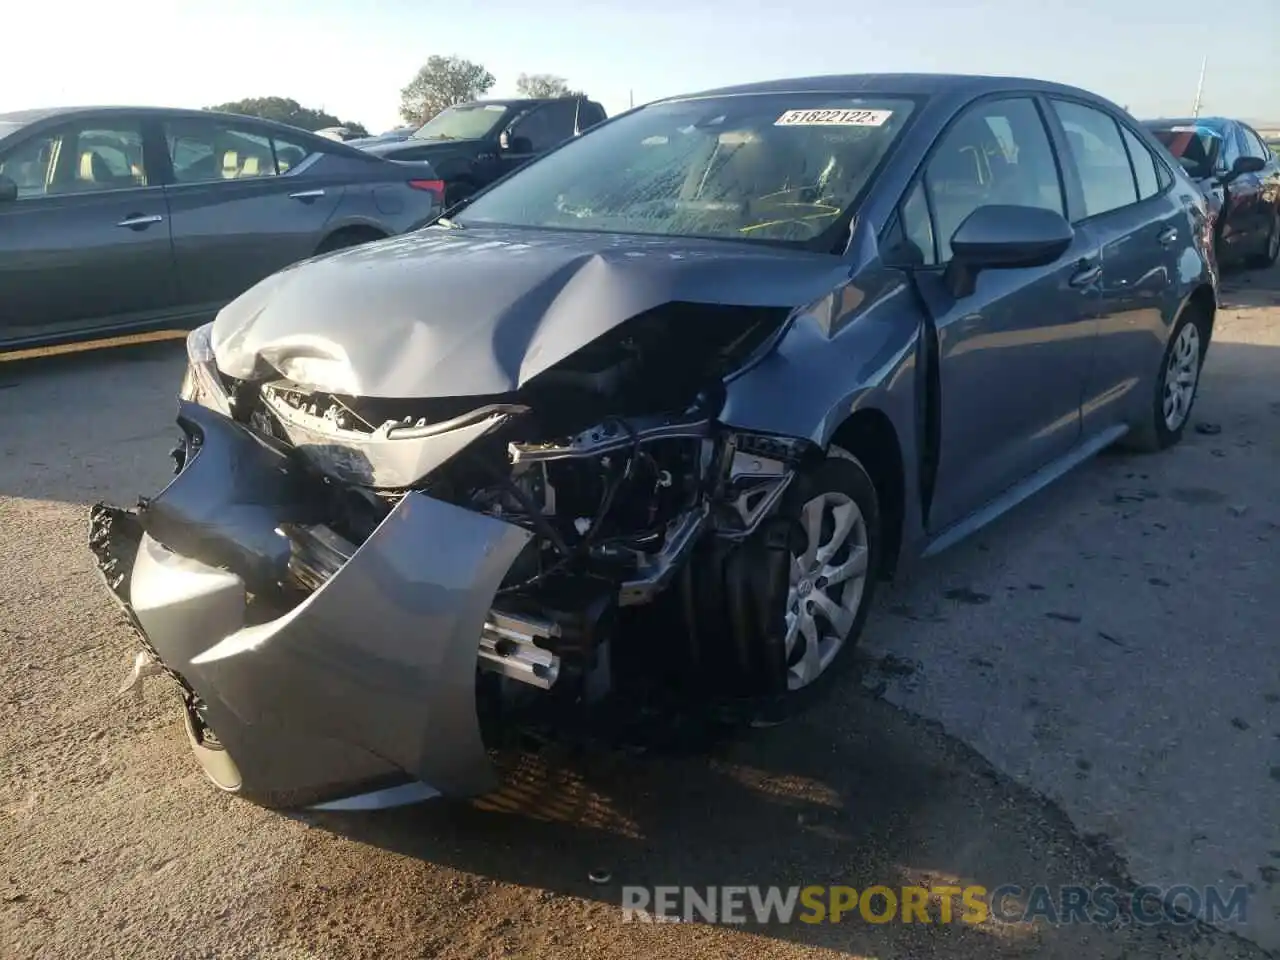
[201,383]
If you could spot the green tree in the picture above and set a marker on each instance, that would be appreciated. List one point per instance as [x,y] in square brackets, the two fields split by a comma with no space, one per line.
[440,83]
[540,86]
[287,110]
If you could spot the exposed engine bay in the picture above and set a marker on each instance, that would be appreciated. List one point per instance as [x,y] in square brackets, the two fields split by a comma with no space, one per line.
[613,462]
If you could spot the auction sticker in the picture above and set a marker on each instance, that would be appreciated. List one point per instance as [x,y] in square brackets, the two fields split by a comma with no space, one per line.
[833,118]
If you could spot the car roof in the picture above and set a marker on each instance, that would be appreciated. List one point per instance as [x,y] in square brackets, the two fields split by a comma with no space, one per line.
[908,84]
[1213,123]
[71,113]
[519,101]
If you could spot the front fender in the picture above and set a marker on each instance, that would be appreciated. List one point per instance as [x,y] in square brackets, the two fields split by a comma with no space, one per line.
[853,349]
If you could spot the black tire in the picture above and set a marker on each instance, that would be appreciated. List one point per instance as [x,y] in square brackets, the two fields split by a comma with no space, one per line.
[348,238]
[456,191]
[1271,247]
[840,474]
[1154,433]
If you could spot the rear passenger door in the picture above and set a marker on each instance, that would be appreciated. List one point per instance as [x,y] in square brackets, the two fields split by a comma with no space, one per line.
[1127,202]
[85,246]
[245,202]
[1013,354]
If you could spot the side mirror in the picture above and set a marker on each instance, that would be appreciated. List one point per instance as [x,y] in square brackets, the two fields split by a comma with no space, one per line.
[8,189]
[1242,166]
[1002,236]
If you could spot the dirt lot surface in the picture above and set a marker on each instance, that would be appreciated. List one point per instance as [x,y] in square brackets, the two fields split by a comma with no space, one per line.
[1087,692]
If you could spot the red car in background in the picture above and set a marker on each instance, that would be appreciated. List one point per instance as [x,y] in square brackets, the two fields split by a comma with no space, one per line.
[1239,175]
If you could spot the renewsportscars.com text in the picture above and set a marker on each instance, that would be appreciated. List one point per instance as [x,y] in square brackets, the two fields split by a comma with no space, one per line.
[1009,903]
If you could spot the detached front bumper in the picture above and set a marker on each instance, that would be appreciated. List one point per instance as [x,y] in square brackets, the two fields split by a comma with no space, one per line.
[367,683]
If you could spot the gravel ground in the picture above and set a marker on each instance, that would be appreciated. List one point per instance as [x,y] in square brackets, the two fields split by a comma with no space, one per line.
[1082,694]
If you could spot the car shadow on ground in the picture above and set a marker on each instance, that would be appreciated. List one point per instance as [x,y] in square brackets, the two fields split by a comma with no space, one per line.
[852,793]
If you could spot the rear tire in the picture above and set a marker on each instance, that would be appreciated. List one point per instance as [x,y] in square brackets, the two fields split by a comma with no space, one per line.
[1177,384]
[1271,251]
[455,191]
[348,238]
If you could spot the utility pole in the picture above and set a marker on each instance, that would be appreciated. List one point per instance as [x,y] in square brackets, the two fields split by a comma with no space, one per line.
[1195,109]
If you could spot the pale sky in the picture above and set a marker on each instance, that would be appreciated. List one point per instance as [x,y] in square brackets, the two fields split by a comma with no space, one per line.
[351,57]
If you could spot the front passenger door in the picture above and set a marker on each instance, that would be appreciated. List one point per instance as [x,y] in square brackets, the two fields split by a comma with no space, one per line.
[85,246]
[1013,354]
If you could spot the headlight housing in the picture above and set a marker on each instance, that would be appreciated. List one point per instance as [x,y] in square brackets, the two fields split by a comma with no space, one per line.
[201,383]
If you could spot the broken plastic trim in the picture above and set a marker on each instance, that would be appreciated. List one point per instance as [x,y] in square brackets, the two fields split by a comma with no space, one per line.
[201,383]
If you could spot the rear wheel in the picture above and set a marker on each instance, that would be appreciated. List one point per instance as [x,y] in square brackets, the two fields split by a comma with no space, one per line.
[1271,250]
[1176,384]
[455,191]
[349,238]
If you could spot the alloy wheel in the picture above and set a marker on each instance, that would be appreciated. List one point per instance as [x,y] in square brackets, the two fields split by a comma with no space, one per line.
[827,583]
[1180,377]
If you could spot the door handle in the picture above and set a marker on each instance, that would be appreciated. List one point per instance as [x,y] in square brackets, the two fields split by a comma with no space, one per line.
[305,195]
[138,221]
[1167,236]
[1087,272]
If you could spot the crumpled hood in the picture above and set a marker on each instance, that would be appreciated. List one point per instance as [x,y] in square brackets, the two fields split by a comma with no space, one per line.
[481,311]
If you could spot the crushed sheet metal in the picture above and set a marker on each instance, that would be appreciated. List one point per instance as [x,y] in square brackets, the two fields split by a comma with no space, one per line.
[447,313]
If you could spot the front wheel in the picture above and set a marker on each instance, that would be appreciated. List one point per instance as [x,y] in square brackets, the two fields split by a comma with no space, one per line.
[834,555]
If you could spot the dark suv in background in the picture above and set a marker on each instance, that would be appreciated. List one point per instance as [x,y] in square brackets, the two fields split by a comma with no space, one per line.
[470,145]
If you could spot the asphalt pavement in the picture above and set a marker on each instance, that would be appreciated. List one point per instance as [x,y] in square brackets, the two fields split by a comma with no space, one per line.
[1085,693]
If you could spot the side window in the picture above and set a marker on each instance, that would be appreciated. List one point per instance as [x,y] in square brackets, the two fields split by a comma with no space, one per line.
[289,154]
[909,240]
[1228,153]
[561,117]
[1144,165]
[1254,145]
[996,153]
[31,164]
[78,159]
[589,114]
[1094,140]
[208,150]
[535,127]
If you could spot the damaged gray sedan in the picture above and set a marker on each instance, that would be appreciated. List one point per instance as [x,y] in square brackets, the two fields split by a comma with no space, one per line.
[666,403]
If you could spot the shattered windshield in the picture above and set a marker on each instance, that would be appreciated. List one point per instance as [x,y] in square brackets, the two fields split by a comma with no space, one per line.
[1195,147]
[770,167]
[468,121]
